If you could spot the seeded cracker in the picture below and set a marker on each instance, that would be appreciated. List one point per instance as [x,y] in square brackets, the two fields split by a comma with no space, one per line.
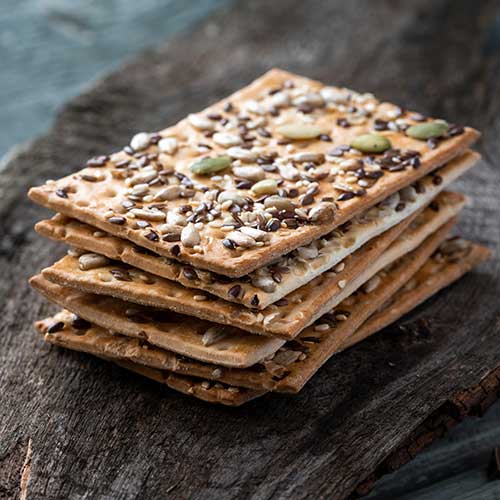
[285,320]
[270,283]
[453,259]
[272,168]
[183,335]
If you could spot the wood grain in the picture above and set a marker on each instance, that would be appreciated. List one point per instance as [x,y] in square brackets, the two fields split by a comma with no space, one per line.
[97,431]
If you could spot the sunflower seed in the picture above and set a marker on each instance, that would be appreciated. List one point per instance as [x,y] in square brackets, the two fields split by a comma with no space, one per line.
[300,131]
[264,282]
[213,335]
[89,261]
[190,236]
[232,196]
[307,253]
[242,154]
[200,122]
[168,145]
[280,100]
[255,107]
[323,212]
[266,186]
[372,284]
[252,173]
[256,234]
[169,193]
[307,157]
[140,141]
[289,172]
[226,140]
[153,215]
[241,239]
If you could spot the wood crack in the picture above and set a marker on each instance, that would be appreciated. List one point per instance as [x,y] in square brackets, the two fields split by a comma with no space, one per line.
[26,471]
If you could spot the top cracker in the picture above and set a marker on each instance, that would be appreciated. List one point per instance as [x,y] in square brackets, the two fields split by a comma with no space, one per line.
[274,166]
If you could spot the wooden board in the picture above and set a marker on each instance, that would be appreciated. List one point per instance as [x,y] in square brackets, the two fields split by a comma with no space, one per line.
[72,426]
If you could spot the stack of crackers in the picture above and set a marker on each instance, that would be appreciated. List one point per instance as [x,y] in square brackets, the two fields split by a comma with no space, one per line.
[237,251]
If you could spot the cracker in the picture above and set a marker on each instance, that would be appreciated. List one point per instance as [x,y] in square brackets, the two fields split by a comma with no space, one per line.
[326,189]
[166,329]
[270,283]
[438,271]
[285,319]
[447,265]
[110,313]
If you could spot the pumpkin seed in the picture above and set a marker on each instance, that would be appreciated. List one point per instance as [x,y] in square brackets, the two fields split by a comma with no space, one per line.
[300,131]
[424,131]
[279,202]
[208,166]
[267,186]
[371,143]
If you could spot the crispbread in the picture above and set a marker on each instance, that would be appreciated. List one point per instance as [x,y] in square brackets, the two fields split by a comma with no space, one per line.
[95,194]
[166,329]
[270,283]
[111,314]
[437,272]
[285,320]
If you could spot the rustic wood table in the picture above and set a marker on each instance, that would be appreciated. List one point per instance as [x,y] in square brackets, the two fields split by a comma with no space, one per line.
[75,427]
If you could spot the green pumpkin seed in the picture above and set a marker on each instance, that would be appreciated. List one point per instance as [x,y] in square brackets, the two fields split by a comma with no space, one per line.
[267,186]
[299,131]
[424,131]
[371,143]
[210,165]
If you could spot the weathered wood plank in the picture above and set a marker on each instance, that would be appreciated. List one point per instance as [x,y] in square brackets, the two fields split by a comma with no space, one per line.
[98,431]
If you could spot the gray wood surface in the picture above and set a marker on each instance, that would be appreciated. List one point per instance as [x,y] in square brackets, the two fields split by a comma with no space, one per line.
[74,427]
